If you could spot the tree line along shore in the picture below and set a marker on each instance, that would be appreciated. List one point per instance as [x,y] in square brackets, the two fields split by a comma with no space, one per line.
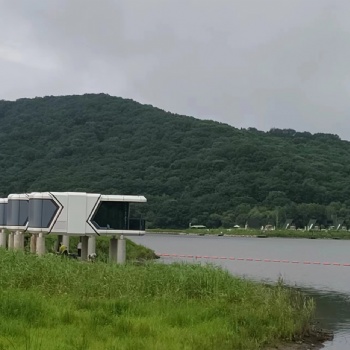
[311,234]
[190,170]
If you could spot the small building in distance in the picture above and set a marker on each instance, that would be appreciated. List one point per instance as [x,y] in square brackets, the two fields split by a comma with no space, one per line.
[289,225]
[312,225]
[197,226]
[339,224]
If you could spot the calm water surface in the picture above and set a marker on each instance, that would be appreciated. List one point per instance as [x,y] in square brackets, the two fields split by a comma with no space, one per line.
[328,284]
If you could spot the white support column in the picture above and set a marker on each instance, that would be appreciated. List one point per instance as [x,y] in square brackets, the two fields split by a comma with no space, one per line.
[57,243]
[65,241]
[40,244]
[18,241]
[121,254]
[84,248]
[21,240]
[33,240]
[11,239]
[92,245]
[3,239]
[113,250]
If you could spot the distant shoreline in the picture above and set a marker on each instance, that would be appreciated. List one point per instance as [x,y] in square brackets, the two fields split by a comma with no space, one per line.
[255,233]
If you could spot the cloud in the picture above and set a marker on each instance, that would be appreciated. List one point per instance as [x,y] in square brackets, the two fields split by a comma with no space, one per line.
[271,63]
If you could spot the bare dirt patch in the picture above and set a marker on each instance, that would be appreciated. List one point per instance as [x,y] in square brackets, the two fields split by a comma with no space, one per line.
[313,340]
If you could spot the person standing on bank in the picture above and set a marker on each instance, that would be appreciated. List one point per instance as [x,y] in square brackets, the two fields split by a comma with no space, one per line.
[79,248]
[63,250]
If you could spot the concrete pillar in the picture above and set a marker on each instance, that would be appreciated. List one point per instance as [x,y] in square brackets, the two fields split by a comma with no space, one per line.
[18,241]
[113,250]
[65,241]
[57,243]
[33,240]
[3,239]
[92,245]
[40,244]
[21,240]
[11,239]
[84,247]
[121,254]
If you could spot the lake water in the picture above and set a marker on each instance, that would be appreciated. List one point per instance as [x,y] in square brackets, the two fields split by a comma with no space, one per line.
[318,267]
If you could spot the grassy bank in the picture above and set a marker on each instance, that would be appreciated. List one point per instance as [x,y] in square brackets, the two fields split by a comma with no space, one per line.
[253,233]
[61,304]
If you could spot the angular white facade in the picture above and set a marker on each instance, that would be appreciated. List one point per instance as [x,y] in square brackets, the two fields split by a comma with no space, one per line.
[75,213]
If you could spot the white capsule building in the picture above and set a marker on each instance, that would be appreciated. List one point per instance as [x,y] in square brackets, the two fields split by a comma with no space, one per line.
[66,214]
[80,214]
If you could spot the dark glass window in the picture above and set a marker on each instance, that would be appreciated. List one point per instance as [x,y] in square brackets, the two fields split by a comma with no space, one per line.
[42,212]
[17,212]
[10,213]
[137,224]
[112,216]
[3,214]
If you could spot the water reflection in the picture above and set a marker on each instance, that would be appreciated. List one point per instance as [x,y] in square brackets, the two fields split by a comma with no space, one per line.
[329,285]
[333,312]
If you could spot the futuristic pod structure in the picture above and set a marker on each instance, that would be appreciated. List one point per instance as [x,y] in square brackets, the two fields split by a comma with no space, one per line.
[80,214]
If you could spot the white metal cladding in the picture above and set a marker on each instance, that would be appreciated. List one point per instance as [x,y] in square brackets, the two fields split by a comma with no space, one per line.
[61,224]
[20,196]
[76,213]
[3,212]
[91,205]
[72,219]
[17,212]
[119,198]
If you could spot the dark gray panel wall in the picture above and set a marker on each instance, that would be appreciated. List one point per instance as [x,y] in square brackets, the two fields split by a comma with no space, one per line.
[41,212]
[17,212]
[3,214]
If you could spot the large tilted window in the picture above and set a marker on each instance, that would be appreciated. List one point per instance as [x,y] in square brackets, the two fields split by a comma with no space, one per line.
[17,212]
[3,214]
[112,216]
[42,212]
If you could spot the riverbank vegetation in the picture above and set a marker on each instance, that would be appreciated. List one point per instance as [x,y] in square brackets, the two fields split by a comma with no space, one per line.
[312,234]
[54,304]
[134,252]
[190,170]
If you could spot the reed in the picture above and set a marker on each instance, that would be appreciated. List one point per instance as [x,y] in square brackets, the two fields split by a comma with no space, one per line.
[61,304]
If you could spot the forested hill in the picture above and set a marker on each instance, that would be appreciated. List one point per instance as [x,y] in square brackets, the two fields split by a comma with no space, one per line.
[190,170]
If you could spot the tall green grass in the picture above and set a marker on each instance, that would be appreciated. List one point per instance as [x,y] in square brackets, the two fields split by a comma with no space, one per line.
[62,304]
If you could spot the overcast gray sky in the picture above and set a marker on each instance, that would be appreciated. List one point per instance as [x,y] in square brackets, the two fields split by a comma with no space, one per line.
[248,63]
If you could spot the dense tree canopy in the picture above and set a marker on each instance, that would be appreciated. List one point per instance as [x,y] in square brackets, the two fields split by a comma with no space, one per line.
[190,170]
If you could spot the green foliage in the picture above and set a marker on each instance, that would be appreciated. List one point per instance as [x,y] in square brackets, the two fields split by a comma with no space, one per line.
[54,304]
[134,252]
[190,170]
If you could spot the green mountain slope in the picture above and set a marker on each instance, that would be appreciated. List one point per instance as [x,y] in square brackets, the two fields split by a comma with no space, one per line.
[190,170]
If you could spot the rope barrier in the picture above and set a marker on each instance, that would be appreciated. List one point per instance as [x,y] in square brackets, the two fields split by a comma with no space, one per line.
[180,256]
